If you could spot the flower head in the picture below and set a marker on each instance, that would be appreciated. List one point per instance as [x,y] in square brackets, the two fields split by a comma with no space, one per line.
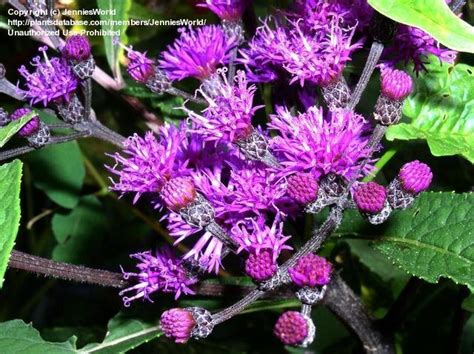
[415,177]
[178,193]
[311,270]
[312,143]
[51,80]
[303,188]
[197,53]
[146,164]
[260,266]
[293,328]
[228,116]
[317,57]
[395,84]
[177,324]
[370,197]
[411,44]
[254,236]
[160,272]
[29,128]
[140,67]
[77,48]
[230,10]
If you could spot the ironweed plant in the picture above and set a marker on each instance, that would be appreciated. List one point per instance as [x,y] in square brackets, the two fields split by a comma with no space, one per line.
[241,165]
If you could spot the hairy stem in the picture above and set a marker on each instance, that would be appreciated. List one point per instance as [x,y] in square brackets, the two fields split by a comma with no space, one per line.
[346,305]
[374,55]
[39,265]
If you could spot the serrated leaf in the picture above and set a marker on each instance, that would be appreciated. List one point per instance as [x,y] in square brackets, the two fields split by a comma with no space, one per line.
[77,231]
[114,11]
[123,335]
[441,111]
[8,131]
[59,171]
[434,17]
[18,337]
[10,212]
[434,238]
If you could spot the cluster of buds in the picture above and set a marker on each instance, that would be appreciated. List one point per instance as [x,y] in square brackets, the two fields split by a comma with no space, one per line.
[376,202]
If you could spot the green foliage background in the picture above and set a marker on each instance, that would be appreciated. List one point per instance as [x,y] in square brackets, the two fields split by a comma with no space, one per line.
[68,215]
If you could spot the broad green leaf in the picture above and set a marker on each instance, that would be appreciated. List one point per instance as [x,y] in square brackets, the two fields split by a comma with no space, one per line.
[434,238]
[10,212]
[432,16]
[18,337]
[441,111]
[124,334]
[8,131]
[116,11]
[59,171]
[78,231]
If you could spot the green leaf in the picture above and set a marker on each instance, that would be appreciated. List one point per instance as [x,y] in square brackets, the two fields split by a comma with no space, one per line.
[8,131]
[10,212]
[434,238]
[123,335]
[78,231]
[432,16]
[59,171]
[441,111]
[115,11]
[18,337]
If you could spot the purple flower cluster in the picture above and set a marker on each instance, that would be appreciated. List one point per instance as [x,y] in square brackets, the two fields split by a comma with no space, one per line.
[315,143]
[197,53]
[52,80]
[225,185]
[160,272]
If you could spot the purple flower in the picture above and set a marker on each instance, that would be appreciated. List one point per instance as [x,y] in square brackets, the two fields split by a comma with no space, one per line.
[254,236]
[260,266]
[319,57]
[140,67]
[77,48]
[411,44]
[207,250]
[321,145]
[370,197]
[228,116]
[177,324]
[29,128]
[415,177]
[293,328]
[230,10]
[160,272]
[197,53]
[51,80]
[311,270]
[146,164]
[317,13]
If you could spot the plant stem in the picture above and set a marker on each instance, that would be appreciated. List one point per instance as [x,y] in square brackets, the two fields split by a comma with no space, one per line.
[374,55]
[386,157]
[39,265]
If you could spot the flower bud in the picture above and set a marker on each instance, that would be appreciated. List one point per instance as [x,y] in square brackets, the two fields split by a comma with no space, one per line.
[311,270]
[415,177]
[177,324]
[396,84]
[370,197]
[260,266]
[77,48]
[294,328]
[303,188]
[178,193]
[29,128]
